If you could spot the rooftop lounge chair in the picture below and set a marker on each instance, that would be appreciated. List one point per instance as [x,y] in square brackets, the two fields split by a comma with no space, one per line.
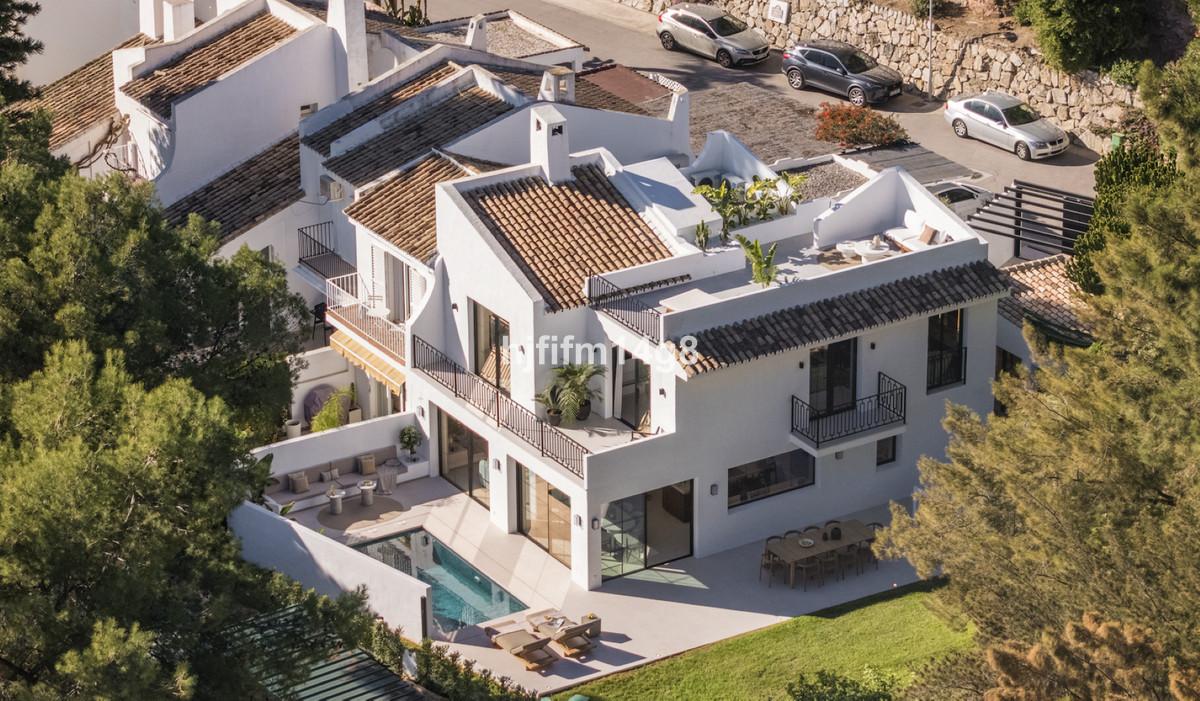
[525,646]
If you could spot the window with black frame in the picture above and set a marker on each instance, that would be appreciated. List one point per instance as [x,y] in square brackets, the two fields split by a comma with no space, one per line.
[490,337]
[770,476]
[832,377]
[947,356]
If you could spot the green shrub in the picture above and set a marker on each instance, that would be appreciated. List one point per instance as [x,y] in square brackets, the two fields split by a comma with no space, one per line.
[828,686]
[446,673]
[1124,71]
[849,125]
[1079,34]
[920,8]
[1023,12]
[333,412]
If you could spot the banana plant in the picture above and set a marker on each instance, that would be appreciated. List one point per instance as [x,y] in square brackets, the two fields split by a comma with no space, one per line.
[723,201]
[795,186]
[762,194]
[762,265]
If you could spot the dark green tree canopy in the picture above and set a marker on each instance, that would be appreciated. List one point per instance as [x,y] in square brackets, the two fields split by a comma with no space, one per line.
[14,48]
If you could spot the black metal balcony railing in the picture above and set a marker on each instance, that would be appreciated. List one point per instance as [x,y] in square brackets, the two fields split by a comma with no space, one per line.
[317,253]
[498,406]
[885,408]
[946,368]
[621,305]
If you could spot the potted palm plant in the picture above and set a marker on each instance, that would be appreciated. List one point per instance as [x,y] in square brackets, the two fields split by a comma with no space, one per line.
[410,440]
[574,389]
[550,399]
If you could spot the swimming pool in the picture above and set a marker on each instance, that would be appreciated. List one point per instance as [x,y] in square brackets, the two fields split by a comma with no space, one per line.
[461,595]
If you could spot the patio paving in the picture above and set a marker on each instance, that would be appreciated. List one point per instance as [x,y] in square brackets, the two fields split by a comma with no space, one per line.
[646,616]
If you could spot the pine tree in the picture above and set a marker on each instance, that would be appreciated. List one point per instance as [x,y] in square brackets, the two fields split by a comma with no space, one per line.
[14,48]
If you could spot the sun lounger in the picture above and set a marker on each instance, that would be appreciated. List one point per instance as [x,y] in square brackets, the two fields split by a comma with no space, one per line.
[529,648]
[571,638]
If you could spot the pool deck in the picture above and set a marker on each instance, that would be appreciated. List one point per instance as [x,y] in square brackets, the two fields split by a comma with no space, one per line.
[645,616]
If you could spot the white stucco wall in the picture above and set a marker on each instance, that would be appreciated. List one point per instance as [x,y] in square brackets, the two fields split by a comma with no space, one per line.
[329,567]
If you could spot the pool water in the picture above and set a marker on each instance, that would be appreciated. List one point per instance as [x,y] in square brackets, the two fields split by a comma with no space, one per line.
[461,595]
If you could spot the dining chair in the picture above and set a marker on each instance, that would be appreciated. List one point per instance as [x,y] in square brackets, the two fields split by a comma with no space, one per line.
[792,534]
[832,523]
[812,529]
[848,557]
[768,561]
[807,568]
[828,563]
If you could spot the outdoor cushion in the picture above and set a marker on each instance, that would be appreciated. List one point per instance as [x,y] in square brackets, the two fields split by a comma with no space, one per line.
[330,475]
[344,466]
[298,482]
[928,234]
[366,464]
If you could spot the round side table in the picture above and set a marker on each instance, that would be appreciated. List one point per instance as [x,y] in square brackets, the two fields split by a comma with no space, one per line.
[366,490]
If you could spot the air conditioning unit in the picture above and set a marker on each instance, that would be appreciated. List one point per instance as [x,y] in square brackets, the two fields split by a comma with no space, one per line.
[331,189]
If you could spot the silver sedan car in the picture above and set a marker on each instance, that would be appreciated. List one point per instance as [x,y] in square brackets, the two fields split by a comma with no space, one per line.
[1003,120]
[711,32]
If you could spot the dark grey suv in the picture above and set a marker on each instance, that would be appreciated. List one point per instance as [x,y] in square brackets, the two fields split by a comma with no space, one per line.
[840,68]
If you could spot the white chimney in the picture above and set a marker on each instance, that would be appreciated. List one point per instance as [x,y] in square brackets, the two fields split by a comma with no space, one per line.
[179,18]
[558,85]
[150,18]
[477,33]
[548,143]
[349,20]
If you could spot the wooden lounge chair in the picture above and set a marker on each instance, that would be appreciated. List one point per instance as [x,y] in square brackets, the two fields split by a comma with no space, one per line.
[527,647]
[571,638]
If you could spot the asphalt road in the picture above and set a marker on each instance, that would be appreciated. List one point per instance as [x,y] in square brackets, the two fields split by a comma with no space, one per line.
[619,33]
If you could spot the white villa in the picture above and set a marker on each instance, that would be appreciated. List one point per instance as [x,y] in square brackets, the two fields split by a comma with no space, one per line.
[469,210]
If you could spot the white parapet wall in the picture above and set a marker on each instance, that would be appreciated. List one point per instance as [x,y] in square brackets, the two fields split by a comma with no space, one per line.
[342,442]
[323,564]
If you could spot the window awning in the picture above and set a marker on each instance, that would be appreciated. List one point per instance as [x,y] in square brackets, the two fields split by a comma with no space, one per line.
[376,366]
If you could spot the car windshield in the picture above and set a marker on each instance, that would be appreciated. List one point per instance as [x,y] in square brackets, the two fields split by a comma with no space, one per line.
[858,62]
[727,25]
[1020,114]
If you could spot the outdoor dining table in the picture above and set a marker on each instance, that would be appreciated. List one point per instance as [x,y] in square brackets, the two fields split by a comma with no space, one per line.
[790,551]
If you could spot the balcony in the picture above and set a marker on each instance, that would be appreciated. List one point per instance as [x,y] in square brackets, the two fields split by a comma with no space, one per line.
[317,251]
[868,415]
[548,440]
[365,317]
[945,368]
[625,308]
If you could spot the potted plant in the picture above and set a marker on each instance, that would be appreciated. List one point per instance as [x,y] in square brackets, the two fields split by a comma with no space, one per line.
[550,399]
[575,393]
[292,428]
[354,413]
[702,234]
[410,440]
[761,196]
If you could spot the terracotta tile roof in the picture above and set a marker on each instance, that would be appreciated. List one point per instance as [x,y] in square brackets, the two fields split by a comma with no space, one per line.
[248,193]
[378,21]
[208,62]
[404,141]
[477,165]
[1042,293]
[559,235]
[401,209]
[81,98]
[845,315]
[321,140]
[589,91]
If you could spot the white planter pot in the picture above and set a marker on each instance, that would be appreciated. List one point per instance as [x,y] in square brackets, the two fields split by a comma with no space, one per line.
[354,416]
[293,428]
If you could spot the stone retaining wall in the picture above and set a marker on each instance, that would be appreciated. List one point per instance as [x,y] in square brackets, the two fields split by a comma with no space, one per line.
[1083,104]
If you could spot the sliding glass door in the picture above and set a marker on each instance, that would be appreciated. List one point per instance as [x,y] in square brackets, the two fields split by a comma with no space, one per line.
[463,458]
[545,514]
[832,376]
[633,391]
[490,337]
[646,530]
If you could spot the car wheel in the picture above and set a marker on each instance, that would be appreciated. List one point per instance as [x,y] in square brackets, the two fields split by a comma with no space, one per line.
[857,96]
[667,40]
[795,78]
[724,59]
[1022,150]
[960,128]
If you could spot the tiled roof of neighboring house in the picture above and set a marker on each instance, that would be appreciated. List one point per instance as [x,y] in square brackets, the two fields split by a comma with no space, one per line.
[559,235]
[477,165]
[378,21]
[401,209]
[504,38]
[588,92]
[845,315]
[1042,293]
[626,84]
[81,98]
[433,126]
[321,140]
[208,62]
[248,193]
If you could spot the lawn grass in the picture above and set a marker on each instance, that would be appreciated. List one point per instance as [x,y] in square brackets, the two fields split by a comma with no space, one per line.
[894,632]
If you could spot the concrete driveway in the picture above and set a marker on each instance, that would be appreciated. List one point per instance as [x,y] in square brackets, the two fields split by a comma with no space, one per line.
[619,33]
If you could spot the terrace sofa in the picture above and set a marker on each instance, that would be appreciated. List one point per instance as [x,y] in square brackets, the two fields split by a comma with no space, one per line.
[349,471]
[915,235]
